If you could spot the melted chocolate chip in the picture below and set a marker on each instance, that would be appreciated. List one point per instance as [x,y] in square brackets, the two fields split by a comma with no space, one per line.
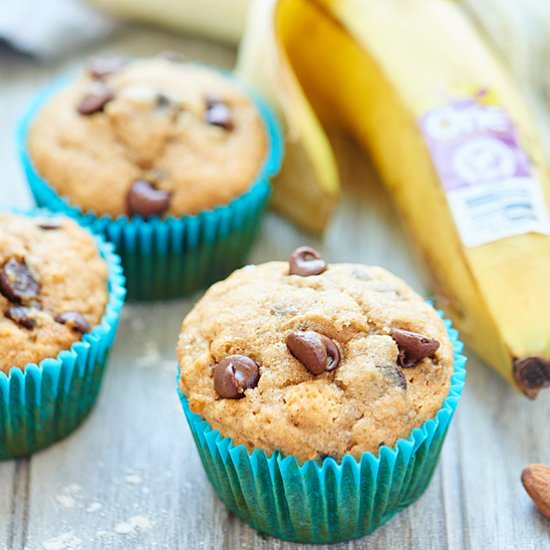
[103,67]
[531,375]
[50,224]
[95,100]
[162,101]
[22,316]
[145,200]
[17,283]
[218,113]
[400,378]
[305,261]
[74,320]
[315,351]
[394,374]
[413,347]
[234,374]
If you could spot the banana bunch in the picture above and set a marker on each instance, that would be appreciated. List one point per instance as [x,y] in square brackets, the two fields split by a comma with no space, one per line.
[451,138]
[445,125]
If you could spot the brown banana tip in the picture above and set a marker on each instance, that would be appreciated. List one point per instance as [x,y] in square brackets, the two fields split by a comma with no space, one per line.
[531,375]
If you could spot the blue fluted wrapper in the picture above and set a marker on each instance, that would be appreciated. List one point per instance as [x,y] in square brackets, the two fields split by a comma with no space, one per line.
[170,257]
[329,501]
[44,403]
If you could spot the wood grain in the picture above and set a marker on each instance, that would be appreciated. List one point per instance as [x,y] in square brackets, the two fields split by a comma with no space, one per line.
[130,478]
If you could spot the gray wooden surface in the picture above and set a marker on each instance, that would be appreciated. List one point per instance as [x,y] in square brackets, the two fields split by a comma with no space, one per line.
[130,478]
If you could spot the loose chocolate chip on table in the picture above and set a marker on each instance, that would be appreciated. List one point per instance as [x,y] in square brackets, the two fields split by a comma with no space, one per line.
[315,351]
[306,261]
[218,113]
[104,67]
[145,200]
[413,347]
[531,375]
[22,316]
[74,320]
[234,374]
[95,100]
[17,283]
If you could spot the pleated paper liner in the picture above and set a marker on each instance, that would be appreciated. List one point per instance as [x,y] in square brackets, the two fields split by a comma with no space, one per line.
[171,257]
[44,403]
[329,501]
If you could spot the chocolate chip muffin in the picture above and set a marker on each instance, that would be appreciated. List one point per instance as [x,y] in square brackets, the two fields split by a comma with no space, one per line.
[53,287]
[314,360]
[148,137]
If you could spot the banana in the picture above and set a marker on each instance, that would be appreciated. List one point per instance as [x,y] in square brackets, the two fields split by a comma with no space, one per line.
[307,188]
[385,70]
[377,69]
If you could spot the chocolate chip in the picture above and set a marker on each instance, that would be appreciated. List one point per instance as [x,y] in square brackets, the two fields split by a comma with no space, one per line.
[50,225]
[394,374]
[145,200]
[531,375]
[400,378]
[22,316]
[234,374]
[324,456]
[74,320]
[162,101]
[17,283]
[103,67]
[413,347]
[315,351]
[218,113]
[306,261]
[95,100]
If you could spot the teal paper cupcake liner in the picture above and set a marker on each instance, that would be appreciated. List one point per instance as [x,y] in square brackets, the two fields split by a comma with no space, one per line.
[44,403]
[170,257]
[329,501]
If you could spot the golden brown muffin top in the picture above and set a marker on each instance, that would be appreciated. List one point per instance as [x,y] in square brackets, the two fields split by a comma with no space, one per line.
[148,137]
[53,287]
[337,370]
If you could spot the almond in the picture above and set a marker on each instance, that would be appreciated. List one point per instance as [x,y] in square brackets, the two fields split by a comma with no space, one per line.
[536,480]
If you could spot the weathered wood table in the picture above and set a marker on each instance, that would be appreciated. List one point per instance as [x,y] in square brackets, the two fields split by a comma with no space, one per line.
[130,478]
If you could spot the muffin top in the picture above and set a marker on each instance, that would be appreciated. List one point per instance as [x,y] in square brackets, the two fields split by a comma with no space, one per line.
[148,137]
[53,287]
[322,362]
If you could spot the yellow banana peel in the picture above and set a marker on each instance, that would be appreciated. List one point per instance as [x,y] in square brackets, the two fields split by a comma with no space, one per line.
[377,68]
[307,187]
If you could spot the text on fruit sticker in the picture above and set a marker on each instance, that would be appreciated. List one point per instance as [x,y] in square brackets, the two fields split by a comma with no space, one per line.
[487,176]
